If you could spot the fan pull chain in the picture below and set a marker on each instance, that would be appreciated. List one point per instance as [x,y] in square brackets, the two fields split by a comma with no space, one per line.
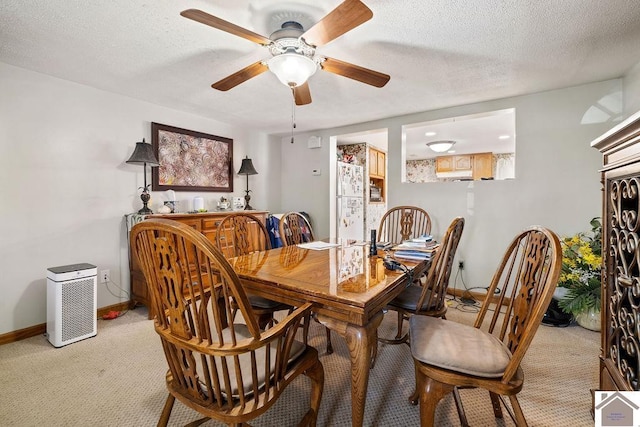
[293,115]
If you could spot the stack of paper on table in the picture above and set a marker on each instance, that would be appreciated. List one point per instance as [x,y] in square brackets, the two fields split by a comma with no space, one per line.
[317,246]
[416,249]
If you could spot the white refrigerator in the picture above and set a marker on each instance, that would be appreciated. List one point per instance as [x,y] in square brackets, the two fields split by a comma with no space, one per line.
[350,203]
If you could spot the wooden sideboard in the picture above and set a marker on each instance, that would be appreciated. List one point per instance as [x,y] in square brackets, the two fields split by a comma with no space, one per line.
[206,223]
[620,175]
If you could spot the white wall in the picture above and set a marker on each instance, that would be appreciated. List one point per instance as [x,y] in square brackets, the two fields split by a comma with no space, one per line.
[557,182]
[66,186]
[631,84]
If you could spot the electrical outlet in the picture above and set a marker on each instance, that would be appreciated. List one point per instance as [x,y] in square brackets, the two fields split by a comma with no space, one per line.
[104,276]
[461,265]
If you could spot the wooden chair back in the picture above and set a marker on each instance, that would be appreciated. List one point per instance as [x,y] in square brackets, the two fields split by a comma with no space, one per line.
[241,233]
[526,278]
[227,371]
[295,229]
[432,298]
[403,223]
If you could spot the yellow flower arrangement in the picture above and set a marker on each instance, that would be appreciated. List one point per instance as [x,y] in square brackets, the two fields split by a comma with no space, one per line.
[581,269]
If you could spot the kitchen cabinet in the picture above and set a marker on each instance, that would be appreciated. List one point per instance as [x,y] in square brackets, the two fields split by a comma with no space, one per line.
[377,173]
[453,163]
[482,165]
[444,164]
[477,165]
[462,163]
[377,163]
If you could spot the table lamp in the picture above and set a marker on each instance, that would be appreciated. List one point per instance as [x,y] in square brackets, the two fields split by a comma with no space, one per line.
[143,155]
[247,169]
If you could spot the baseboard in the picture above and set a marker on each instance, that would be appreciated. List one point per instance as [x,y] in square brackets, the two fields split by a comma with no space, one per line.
[21,334]
[40,329]
[478,296]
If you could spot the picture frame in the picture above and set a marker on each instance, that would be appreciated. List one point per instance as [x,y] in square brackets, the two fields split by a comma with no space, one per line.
[191,160]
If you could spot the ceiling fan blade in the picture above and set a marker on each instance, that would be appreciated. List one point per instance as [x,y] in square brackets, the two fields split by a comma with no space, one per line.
[355,72]
[221,24]
[302,94]
[241,76]
[343,18]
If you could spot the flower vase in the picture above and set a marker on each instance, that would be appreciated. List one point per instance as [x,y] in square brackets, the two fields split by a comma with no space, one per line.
[589,319]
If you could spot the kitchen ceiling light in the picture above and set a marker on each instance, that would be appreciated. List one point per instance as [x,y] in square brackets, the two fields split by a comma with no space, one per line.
[292,69]
[440,146]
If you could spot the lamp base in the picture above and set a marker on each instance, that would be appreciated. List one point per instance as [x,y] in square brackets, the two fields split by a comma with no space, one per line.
[145,197]
[145,211]
[247,206]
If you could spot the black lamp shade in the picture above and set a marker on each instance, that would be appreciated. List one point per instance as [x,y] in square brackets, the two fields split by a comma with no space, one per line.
[247,167]
[143,153]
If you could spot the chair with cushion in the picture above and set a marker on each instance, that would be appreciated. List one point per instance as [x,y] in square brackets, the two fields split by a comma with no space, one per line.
[226,371]
[403,223]
[295,229]
[449,356]
[428,298]
[242,233]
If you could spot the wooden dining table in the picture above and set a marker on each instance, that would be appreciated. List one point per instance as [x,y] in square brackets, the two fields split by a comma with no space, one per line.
[349,290]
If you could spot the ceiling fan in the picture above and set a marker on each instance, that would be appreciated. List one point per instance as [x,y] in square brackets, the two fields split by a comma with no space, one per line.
[293,50]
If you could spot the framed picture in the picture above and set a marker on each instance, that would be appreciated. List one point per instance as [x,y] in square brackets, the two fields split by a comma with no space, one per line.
[191,161]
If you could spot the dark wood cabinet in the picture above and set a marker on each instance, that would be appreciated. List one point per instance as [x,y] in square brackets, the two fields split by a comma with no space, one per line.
[620,175]
[206,223]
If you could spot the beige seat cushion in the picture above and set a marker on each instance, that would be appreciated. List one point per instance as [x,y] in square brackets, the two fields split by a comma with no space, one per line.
[461,348]
[245,361]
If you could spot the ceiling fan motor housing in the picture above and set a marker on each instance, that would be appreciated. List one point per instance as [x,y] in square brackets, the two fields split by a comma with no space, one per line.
[292,61]
[287,40]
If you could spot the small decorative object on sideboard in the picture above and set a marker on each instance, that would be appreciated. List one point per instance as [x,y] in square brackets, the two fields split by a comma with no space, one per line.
[164,209]
[223,204]
[238,203]
[198,204]
[171,200]
[170,205]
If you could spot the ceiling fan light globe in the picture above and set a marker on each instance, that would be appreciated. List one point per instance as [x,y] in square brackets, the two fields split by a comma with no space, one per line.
[292,69]
[440,146]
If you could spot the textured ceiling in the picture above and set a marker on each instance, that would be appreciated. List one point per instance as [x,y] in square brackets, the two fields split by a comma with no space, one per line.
[439,53]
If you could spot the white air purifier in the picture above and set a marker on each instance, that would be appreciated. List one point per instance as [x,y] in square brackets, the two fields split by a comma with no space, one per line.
[71,303]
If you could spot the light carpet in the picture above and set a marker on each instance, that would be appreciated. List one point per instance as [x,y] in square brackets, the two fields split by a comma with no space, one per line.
[117,379]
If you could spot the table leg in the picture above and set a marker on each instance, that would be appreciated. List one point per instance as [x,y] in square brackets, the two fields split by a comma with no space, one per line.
[360,341]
